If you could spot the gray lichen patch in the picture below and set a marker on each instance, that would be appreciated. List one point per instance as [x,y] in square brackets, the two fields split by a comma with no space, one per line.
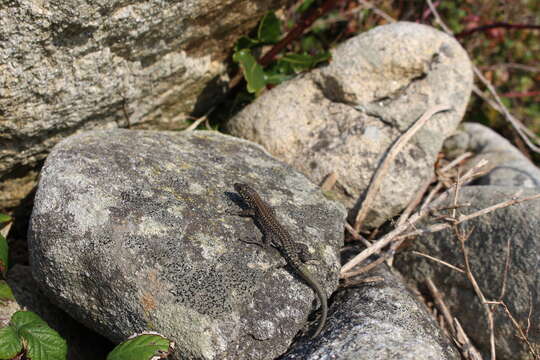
[136,230]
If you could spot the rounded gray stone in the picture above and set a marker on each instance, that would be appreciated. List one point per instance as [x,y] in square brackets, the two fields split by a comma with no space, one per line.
[510,233]
[344,117]
[135,230]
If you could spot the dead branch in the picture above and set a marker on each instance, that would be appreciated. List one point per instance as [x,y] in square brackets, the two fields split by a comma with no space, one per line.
[462,237]
[464,343]
[329,181]
[462,218]
[453,267]
[367,280]
[356,235]
[395,234]
[374,185]
[497,25]
[441,305]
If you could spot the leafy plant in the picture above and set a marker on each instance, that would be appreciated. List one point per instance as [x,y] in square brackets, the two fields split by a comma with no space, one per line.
[29,334]
[269,32]
[5,290]
[3,246]
[142,347]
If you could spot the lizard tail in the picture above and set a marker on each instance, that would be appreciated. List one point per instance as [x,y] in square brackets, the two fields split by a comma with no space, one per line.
[322,298]
[324,311]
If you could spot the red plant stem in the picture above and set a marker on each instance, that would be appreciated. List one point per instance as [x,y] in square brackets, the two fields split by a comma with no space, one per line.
[496,25]
[514,94]
[302,25]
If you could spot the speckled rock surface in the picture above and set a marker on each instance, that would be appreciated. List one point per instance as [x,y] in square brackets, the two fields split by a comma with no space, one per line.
[507,165]
[67,66]
[516,228]
[83,344]
[379,321]
[344,117]
[135,230]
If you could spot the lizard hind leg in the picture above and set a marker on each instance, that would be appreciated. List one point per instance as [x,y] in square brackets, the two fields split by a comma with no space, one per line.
[303,253]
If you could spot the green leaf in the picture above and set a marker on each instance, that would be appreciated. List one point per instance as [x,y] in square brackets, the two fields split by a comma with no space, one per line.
[245,43]
[303,62]
[142,347]
[269,29]
[3,255]
[4,218]
[276,78]
[5,291]
[305,5]
[253,72]
[43,342]
[311,45]
[10,344]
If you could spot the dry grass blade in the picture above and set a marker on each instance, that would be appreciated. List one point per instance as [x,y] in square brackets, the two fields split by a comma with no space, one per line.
[382,170]
[364,269]
[377,11]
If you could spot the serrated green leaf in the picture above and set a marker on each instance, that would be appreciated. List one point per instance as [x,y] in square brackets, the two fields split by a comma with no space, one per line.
[269,29]
[245,43]
[142,347]
[5,291]
[253,72]
[43,343]
[10,344]
[4,218]
[3,255]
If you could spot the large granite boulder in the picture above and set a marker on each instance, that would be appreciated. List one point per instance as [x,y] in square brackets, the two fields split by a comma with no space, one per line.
[136,230]
[67,66]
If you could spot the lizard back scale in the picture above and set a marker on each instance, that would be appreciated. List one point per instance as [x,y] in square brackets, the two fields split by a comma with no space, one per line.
[275,234]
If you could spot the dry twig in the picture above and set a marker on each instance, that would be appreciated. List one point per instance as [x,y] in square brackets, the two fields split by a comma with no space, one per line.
[366,280]
[453,267]
[329,181]
[376,181]
[462,237]
[395,234]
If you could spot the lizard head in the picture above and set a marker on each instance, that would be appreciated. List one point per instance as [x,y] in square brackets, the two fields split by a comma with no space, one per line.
[246,192]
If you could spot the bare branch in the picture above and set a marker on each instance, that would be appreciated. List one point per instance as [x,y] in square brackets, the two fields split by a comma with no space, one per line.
[377,11]
[373,188]
[439,261]
[356,235]
[394,234]
[463,218]
[329,181]
[441,305]
[462,237]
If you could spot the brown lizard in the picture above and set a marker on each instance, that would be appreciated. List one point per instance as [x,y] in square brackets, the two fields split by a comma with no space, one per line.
[275,234]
